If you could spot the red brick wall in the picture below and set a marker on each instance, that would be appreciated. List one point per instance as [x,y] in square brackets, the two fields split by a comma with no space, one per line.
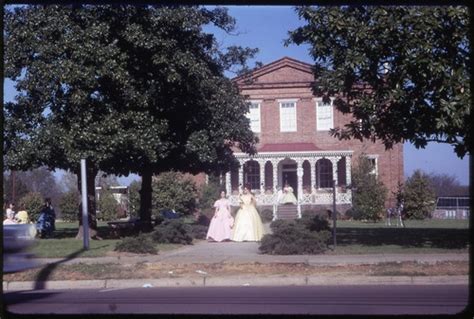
[277,84]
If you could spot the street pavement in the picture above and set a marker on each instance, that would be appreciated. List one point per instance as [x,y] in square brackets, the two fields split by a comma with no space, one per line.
[247,252]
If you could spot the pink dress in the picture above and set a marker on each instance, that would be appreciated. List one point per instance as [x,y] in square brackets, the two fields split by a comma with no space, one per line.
[221,224]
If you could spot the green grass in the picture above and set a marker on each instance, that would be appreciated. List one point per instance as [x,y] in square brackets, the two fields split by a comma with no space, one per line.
[64,243]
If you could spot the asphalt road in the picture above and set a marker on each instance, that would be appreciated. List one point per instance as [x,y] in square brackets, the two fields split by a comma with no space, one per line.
[392,300]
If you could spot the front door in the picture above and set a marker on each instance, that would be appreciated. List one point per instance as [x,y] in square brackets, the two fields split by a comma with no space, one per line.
[292,180]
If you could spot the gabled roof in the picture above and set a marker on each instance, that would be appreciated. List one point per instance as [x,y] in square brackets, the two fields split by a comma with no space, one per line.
[273,66]
[288,147]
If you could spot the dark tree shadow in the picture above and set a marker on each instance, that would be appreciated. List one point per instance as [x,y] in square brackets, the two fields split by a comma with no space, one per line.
[448,238]
[46,272]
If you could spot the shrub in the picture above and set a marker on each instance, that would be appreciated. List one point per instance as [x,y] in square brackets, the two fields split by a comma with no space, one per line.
[107,205]
[32,202]
[172,190]
[369,194]
[210,193]
[172,231]
[134,199]
[294,238]
[203,220]
[418,196]
[199,231]
[316,223]
[141,244]
[266,215]
[69,206]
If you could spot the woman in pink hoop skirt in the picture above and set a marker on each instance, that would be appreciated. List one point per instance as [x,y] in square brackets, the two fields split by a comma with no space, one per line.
[222,222]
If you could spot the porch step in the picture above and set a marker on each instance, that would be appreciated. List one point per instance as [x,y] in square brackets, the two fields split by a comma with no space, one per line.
[287,212]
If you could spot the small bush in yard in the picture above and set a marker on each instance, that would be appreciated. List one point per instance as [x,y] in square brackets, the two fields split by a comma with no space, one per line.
[266,215]
[316,223]
[141,244]
[173,231]
[296,238]
[199,231]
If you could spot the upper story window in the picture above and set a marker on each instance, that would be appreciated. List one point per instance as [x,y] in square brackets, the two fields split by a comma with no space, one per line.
[287,115]
[324,115]
[254,116]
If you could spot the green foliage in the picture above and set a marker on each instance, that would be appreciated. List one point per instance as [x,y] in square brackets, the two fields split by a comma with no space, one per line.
[295,238]
[69,205]
[33,203]
[418,196]
[107,205]
[199,231]
[404,71]
[316,223]
[21,188]
[173,231]
[210,193]
[368,193]
[141,244]
[134,199]
[131,88]
[266,215]
[172,190]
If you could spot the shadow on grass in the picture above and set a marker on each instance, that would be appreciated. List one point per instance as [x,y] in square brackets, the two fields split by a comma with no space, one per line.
[46,272]
[448,238]
[103,232]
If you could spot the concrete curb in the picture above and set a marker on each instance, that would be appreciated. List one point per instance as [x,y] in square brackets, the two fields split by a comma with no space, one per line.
[237,281]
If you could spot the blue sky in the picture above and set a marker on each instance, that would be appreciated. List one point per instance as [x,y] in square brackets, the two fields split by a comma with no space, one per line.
[266,27]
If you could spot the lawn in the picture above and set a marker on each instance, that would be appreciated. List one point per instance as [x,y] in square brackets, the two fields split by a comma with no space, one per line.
[64,243]
[428,236]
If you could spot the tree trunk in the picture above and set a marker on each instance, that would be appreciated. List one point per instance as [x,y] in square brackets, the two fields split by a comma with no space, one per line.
[145,201]
[91,173]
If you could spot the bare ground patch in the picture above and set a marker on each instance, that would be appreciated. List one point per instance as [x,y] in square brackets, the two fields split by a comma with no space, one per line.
[164,270]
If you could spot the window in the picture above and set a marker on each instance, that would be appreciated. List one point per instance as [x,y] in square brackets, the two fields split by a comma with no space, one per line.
[254,116]
[373,161]
[324,173]
[324,115]
[288,116]
[252,174]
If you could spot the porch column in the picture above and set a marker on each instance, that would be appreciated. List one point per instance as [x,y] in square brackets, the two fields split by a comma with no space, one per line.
[261,163]
[228,184]
[275,174]
[348,170]
[312,164]
[241,174]
[299,176]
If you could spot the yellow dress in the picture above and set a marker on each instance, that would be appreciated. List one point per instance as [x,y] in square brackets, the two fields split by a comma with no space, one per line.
[248,224]
[22,217]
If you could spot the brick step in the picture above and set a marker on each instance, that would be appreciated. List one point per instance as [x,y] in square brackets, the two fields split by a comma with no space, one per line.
[287,217]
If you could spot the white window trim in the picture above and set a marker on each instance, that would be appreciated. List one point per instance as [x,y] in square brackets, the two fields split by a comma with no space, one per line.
[320,99]
[295,101]
[259,103]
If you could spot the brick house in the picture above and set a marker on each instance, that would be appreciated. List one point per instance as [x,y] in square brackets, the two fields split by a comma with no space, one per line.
[295,145]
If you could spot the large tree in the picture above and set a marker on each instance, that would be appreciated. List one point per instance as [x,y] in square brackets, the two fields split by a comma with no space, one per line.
[132,89]
[403,72]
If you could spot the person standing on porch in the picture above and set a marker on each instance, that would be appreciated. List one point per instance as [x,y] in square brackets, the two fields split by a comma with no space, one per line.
[288,196]
[222,222]
[248,225]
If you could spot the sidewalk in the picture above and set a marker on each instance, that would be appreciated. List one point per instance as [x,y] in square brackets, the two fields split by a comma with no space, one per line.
[245,253]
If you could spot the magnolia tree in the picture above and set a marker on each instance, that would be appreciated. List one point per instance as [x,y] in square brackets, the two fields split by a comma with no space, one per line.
[403,72]
[129,88]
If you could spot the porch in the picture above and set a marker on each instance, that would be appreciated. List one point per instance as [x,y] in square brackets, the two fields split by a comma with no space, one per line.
[309,173]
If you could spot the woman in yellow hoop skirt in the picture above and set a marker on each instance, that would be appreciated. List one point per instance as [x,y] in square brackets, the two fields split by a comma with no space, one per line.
[248,224]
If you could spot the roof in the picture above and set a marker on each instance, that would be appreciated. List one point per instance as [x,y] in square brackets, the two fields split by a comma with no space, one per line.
[289,147]
[272,66]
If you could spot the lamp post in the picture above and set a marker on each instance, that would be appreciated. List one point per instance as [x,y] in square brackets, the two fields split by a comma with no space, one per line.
[334,213]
